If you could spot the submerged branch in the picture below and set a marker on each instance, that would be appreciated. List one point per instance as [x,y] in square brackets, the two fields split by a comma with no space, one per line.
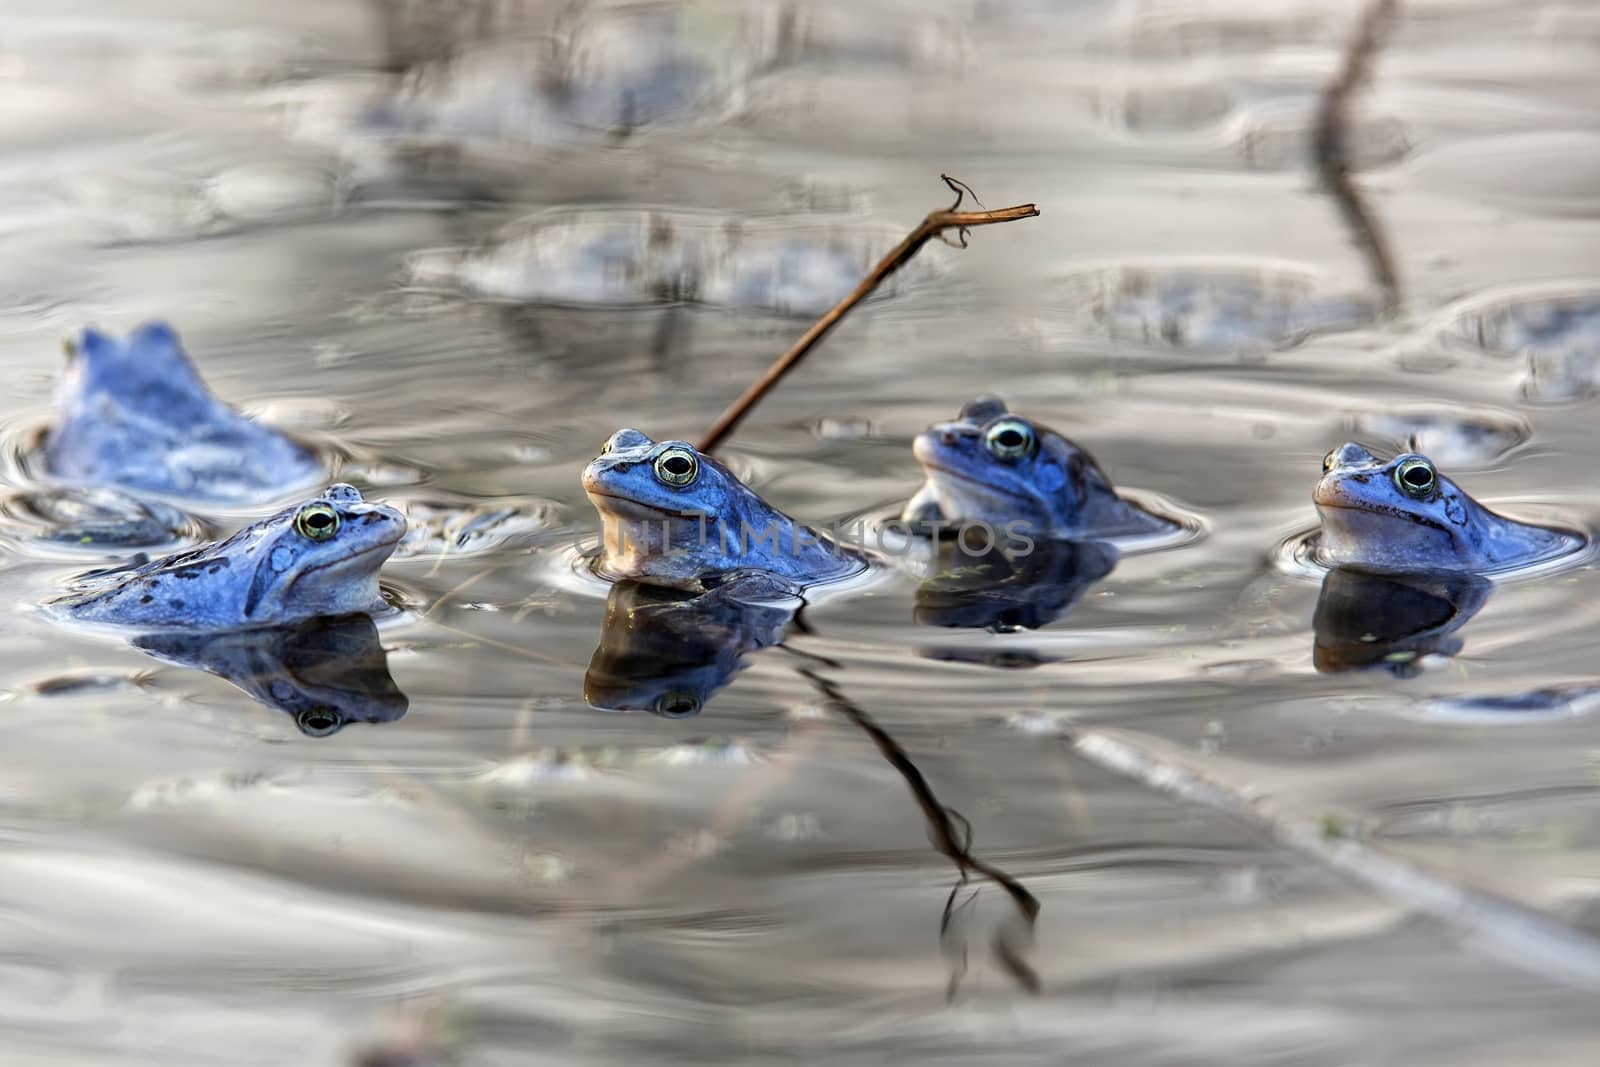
[934,225]
[1331,150]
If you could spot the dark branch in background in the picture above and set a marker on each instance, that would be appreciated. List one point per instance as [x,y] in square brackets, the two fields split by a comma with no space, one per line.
[936,223]
[950,839]
[1331,150]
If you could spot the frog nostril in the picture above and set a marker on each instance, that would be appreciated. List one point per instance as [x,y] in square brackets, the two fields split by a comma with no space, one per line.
[947,438]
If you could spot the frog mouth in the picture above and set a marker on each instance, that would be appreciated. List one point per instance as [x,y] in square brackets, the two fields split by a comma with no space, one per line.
[333,564]
[629,508]
[963,476]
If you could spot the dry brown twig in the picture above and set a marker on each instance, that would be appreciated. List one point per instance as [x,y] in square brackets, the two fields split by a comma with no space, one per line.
[934,225]
[1331,150]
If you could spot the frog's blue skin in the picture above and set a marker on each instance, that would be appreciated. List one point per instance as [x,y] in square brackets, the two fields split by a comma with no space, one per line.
[1056,490]
[1389,621]
[694,535]
[325,672]
[135,414]
[264,575]
[666,651]
[1370,521]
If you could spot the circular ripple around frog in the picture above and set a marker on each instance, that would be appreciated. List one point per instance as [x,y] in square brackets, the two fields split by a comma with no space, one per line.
[1453,437]
[1212,307]
[73,522]
[574,568]
[22,448]
[1555,330]
[1300,555]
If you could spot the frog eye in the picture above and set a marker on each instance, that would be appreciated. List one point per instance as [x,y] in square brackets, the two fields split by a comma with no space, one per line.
[1415,476]
[317,522]
[1327,462]
[1010,439]
[676,704]
[677,467]
[319,721]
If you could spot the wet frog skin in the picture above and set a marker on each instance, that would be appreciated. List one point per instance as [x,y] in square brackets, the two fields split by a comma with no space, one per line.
[136,414]
[1403,515]
[993,467]
[318,558]
[674,517]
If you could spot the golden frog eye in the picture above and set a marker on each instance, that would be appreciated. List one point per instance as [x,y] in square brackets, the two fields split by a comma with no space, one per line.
[1010,439]
[1327,462]
[317,522]
[677,467]
[1416,476]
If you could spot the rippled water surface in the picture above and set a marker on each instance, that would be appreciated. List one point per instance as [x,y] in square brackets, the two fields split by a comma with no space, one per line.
[454,247]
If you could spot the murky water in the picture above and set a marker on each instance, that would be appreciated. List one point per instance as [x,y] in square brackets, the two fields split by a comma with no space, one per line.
[455,247]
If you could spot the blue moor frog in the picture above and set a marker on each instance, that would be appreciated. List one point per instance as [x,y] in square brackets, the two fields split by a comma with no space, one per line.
[1403,515]
[990,466]
[136,414]
[672,516]
[318,558]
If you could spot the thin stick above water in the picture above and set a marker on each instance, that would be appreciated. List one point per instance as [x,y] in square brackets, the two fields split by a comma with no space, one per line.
[934,225]
[1331,150]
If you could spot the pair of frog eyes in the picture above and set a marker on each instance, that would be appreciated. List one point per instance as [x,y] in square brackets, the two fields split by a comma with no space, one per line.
[1414,474]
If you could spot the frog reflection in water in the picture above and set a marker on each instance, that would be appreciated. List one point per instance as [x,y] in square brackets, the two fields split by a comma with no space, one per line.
[325,672]
[667,651]
[1403,515]
[992,467]
[318,558]
[998,592]
[1390,621]
[674,517]
[135,414]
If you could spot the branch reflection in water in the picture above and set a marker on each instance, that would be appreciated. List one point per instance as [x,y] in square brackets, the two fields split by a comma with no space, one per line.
[667,651]
[325,672]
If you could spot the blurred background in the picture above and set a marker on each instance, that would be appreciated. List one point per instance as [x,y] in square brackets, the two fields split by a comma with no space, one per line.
[453,246]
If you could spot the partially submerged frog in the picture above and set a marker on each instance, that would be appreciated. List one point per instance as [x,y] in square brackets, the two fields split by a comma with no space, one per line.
[317,558]
[136,414]
[325,672]
[990,466]
[672,516]
[1403,515]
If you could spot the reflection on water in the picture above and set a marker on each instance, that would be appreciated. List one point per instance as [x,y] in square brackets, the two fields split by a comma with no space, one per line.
[452,246]
[1392,621]
[326,672]
[666,651]
[999,592]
